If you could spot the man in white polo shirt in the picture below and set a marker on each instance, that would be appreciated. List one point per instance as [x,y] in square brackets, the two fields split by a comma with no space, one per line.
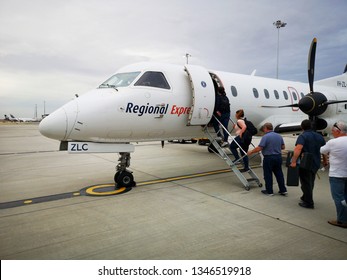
[337,150]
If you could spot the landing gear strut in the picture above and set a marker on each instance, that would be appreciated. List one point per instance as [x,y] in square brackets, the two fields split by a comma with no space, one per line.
[123,177]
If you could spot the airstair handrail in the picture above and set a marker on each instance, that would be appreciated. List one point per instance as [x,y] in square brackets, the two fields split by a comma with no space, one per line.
[232,137]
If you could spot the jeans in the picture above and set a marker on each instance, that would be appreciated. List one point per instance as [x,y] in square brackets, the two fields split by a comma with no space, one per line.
[224,119]
[338,187]
[273,164]
[233,149]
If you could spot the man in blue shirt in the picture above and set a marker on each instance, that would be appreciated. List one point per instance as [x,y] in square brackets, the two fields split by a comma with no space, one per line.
[271,146]
[308,142]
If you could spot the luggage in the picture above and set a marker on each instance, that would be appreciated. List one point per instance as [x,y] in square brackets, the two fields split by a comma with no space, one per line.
[292,173]
[293,176]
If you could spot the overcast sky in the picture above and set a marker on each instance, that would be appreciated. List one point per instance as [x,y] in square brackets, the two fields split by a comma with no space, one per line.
[51,50]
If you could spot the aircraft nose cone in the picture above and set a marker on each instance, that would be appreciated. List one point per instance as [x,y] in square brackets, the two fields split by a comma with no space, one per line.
[59,124]
[55,125]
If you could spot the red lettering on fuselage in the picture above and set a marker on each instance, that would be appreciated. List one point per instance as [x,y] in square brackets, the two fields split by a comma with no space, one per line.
[179,110]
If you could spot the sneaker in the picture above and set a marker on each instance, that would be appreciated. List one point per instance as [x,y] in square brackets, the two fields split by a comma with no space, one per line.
[266,193]
[283,193]
[244,169]
[225,144]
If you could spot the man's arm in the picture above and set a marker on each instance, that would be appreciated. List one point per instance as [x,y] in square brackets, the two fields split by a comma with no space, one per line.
[324,150]
[297,152]
[325,160]
[255,150]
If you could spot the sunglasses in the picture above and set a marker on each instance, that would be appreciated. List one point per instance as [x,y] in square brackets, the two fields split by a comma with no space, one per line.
[335,125]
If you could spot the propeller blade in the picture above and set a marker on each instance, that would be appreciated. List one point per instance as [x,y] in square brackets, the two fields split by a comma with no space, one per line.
[283,106]
[311,62]
[334,102]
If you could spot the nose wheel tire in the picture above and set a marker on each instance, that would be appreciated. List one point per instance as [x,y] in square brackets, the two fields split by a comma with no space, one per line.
[124,179]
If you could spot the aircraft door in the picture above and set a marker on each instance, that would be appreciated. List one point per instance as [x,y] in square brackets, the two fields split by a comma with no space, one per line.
[203,94]
[341,108]
[294,96]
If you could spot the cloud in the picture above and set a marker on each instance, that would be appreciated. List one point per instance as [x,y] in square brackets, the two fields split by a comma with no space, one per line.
[50,50]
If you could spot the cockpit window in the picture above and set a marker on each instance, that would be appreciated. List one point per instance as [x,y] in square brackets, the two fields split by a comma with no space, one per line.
[120,80]
[153,79]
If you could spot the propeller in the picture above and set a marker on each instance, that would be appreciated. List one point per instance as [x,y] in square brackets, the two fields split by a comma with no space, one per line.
[311,63]
[314,103]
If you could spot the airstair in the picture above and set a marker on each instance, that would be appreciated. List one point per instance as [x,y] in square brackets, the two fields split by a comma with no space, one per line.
[203,97]
[222,153]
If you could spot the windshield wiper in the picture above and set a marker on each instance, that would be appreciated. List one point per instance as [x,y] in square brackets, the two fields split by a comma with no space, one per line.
[108,86]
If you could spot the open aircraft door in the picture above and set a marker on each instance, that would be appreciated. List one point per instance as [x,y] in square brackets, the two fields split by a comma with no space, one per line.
[203,95]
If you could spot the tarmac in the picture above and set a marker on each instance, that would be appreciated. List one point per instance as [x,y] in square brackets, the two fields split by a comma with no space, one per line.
[187,206]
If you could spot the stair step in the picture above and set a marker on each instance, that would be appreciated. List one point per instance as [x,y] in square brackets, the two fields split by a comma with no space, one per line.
[234,166]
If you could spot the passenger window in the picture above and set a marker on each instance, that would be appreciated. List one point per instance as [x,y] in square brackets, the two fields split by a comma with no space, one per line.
[285,94]
[266,92]
[294,96]
[233,91]
[153,79]
[276,94]
[255,92]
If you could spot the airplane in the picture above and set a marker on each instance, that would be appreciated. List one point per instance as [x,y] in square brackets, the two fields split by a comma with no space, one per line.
[12,118]
[156,102]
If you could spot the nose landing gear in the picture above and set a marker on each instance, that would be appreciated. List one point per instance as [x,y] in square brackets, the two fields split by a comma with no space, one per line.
[123,177]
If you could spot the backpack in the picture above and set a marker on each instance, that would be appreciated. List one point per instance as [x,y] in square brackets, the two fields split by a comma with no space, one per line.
[250,127]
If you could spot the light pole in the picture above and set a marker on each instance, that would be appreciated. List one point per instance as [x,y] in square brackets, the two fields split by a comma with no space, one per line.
[187,56]
[278,25]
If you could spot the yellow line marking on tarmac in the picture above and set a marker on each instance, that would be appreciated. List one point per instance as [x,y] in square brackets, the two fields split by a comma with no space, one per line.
[183,177]
[109,189]
[91,191]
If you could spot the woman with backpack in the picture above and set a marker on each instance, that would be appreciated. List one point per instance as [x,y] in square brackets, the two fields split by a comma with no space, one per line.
[242,140]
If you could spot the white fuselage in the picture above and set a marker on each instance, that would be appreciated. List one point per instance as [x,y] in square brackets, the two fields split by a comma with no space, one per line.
[140,112]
